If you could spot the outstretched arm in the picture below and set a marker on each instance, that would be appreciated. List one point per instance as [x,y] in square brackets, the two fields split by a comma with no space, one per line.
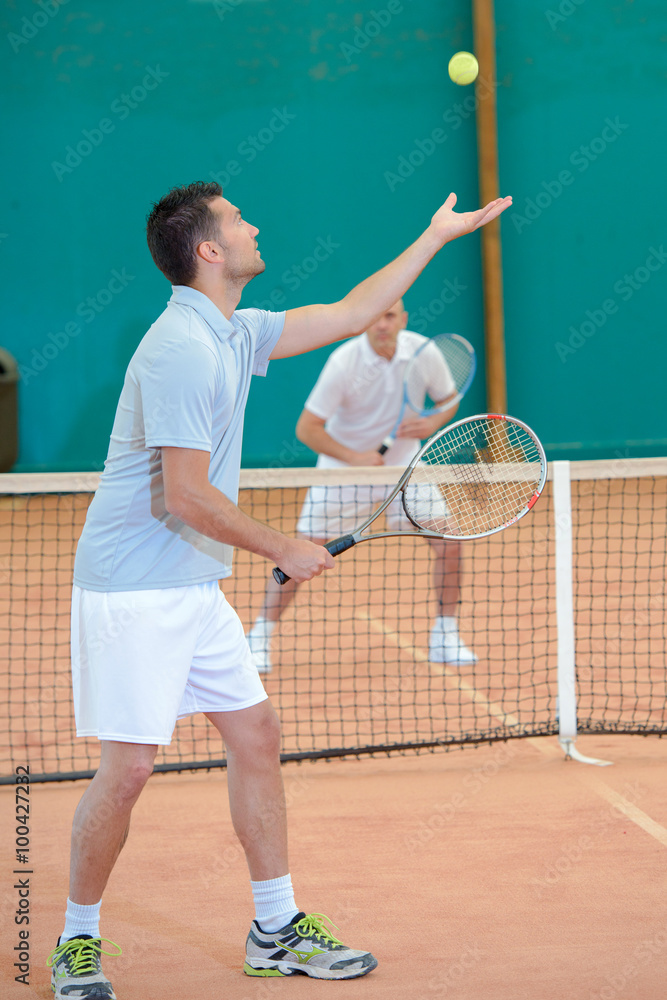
[314,326]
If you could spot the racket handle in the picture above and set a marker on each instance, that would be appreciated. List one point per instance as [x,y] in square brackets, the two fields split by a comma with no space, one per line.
[335,547]
[341,544]
[385,446]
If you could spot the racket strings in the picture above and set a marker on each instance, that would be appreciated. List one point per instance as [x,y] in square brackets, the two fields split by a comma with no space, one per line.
[441,369]
[475,478]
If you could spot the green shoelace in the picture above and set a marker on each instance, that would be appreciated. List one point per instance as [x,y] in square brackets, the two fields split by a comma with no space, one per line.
[83,954]
[312,924]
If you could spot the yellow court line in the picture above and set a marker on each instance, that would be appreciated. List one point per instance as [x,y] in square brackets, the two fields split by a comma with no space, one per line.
[601,788]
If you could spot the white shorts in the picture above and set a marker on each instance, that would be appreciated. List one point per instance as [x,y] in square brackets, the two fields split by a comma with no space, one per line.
[141,659]
[330,511]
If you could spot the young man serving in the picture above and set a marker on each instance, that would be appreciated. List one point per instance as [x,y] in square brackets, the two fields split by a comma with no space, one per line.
[153,639]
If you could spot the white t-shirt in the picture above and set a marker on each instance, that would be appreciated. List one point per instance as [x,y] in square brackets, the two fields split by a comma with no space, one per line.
[359,395]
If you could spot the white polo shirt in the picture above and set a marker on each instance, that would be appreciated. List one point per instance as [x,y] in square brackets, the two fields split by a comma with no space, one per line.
[187,387]
[359,395]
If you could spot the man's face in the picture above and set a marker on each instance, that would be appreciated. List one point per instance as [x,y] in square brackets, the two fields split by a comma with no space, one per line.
[384,331]
[239,246]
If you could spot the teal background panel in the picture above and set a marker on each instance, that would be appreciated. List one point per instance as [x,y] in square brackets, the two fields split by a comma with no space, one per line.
[319,121]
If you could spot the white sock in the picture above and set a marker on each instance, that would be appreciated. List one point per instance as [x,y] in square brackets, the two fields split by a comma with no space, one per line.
[80,919]
[446,623]
[261,631]
[274,902]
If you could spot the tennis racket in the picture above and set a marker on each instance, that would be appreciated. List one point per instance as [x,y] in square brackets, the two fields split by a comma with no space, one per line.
[471,479]
[431,365]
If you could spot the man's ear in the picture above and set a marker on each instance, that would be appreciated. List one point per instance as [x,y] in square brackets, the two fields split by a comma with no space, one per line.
[210,251]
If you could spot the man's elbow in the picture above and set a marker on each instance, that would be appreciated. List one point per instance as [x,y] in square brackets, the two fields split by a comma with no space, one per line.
[307,430]
[178,500]
[301,430]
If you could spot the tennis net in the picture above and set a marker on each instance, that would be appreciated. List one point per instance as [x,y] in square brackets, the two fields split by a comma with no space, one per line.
[351,671]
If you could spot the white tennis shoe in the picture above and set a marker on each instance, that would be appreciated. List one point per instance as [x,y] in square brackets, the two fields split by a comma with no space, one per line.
[259,642]
[449,647]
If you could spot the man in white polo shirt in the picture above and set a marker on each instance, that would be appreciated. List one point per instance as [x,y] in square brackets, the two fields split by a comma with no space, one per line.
[153,638]
[355,403]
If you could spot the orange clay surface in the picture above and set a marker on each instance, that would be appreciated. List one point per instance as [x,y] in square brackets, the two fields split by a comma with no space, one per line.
[500,872]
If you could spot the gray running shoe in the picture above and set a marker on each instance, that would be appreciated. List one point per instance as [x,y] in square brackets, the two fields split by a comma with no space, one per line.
[304,947]
[76,969]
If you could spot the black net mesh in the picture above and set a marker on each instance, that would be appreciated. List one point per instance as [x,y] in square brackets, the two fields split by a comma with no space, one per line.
[351,670]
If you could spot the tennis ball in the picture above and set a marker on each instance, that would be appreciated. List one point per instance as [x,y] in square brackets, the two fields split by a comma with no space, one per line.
[463,68]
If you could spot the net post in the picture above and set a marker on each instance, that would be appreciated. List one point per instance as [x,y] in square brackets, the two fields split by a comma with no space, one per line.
[567,689]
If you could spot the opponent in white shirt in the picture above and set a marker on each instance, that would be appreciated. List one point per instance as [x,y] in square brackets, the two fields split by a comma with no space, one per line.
[354,404]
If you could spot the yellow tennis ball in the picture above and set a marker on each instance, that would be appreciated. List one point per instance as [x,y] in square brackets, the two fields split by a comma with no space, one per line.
[463,68]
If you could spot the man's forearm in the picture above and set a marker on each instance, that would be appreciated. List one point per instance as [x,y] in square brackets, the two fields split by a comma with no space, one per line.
[314,326]
[320,441]
[381,290]
[213,514]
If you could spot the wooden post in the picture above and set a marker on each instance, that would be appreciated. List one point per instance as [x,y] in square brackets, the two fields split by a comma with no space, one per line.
[487,146]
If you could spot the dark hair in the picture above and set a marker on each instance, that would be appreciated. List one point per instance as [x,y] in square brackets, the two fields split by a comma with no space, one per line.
[177,224]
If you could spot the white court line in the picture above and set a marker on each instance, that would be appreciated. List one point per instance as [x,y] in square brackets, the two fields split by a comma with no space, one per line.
[439,668]
[628,809]
[601,788]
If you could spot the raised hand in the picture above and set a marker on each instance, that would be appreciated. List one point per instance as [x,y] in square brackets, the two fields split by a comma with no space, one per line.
[449,225]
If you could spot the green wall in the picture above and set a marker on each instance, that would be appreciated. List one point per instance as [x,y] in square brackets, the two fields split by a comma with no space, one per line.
[305,112]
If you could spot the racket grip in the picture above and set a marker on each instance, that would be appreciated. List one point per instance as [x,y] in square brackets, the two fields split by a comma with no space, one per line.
[335,547]
[385,446]
[339,545]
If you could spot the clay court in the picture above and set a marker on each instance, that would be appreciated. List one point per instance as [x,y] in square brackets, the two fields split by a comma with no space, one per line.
[499,869]
[500,872]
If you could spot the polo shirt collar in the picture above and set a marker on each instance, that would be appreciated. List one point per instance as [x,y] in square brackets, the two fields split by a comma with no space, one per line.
[209,312]
[402,353]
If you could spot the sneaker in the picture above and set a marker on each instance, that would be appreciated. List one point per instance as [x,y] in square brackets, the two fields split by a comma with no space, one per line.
[259,647]
[304,947]
[449,647]
[76,969]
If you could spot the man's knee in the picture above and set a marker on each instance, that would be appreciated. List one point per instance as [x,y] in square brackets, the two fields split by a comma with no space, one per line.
[134,777]
[125,771]
[265,734]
